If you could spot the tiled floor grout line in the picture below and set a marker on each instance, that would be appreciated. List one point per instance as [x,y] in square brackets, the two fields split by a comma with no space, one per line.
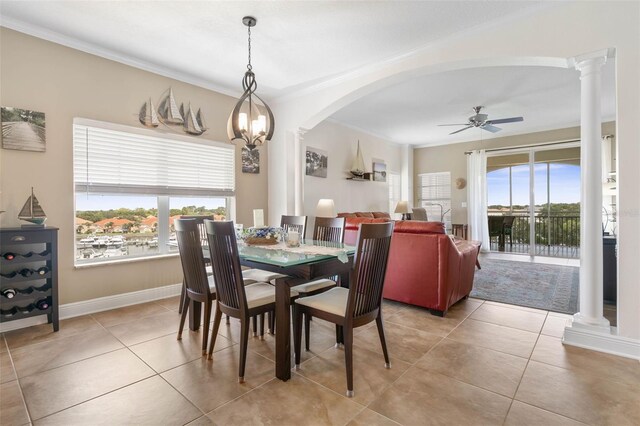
[24,401]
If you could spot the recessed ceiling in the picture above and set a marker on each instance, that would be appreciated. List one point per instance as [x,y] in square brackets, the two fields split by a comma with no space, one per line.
[409,112]
[294,44]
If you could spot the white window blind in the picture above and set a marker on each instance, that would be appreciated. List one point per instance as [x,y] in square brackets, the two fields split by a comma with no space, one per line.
[435,192]
[111,159]
[395,188]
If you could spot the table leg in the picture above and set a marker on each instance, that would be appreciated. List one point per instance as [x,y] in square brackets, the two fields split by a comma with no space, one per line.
[283,333]
[194,315]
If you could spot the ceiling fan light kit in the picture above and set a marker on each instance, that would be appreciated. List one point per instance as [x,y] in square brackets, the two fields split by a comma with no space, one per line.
[481,121]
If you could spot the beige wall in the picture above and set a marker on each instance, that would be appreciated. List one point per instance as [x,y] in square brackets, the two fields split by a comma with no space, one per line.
[65,83]
[452,158]
[340,142]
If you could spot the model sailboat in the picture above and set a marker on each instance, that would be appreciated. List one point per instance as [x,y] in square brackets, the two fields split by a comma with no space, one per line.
[32,212]
[168,110]
[357,167]
[191,124]
[148,115]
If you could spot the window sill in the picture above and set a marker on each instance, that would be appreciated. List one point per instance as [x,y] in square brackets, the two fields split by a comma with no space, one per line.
[124,261]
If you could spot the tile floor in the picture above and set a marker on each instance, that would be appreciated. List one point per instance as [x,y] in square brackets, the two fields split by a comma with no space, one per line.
[486,363]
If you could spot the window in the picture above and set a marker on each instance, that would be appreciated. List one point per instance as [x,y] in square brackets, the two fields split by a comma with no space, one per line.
[435,196]
[131,184]
[395,188]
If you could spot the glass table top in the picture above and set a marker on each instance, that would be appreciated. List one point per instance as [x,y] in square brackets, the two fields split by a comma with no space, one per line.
[309,251]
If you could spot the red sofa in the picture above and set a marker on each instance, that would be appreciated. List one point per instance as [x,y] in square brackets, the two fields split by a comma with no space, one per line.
[353,221]
[426,267]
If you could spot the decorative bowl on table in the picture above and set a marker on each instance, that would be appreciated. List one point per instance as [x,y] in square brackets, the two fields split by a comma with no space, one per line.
[262,236]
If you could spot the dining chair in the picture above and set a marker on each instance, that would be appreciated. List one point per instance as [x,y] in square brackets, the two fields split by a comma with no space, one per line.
[198,285]
[233,297]
[199,220]
[360,303]
[329,230]
[419,213]
[507,229]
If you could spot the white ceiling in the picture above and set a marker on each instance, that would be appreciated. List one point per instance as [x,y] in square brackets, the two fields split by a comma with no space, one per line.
[409,112]
[297,44]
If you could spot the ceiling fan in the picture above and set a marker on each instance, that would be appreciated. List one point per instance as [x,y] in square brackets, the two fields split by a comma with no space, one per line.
[480,120]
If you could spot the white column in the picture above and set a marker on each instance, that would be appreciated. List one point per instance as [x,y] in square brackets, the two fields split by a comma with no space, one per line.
[590,315]
[298,173]
[407,174]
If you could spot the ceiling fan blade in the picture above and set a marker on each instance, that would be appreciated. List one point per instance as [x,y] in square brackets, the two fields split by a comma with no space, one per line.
[463,124]
[505,120]
[490,128]
[458,131]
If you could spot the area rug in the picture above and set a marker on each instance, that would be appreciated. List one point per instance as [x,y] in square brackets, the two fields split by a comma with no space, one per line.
[535,285]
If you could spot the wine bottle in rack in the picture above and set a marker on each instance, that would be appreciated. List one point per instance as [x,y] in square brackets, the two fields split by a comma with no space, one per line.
[25,272]
[9,293]
[25,309]
[43,304]
[43,270]
[9,256]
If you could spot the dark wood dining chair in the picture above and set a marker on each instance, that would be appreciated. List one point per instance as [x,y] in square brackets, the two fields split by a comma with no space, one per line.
[360,303]
[199,220]
[197,284]
[329,230]
[233,297]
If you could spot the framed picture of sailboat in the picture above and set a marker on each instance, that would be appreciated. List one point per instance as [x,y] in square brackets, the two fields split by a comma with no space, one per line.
[317,162]
[23,129]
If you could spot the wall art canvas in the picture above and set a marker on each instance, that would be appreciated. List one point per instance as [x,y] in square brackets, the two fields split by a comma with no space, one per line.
[23,129]
[250,160]
[379,171]
[317,161]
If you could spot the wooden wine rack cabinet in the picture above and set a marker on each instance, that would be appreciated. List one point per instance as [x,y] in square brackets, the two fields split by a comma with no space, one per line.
[34,248]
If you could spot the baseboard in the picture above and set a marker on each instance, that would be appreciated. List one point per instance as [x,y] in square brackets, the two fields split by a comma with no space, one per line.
[609,343]
[100,304]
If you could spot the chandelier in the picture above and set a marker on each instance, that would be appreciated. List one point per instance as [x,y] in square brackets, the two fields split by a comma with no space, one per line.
[251,120]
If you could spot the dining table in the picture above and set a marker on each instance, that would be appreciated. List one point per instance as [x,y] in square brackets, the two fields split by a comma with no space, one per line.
[309,261]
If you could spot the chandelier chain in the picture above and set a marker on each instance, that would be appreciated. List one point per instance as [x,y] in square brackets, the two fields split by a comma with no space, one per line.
[249,64]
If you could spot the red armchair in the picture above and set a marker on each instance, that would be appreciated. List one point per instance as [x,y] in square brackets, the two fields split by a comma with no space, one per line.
[429,268]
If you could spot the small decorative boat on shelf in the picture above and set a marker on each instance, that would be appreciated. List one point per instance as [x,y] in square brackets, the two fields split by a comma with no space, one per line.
[148,115]
[32,212]
[357,167]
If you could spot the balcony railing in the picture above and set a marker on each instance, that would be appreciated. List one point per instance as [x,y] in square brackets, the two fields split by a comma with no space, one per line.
[556,236]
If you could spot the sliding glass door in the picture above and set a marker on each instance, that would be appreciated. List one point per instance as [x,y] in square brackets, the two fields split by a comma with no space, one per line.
[533,198]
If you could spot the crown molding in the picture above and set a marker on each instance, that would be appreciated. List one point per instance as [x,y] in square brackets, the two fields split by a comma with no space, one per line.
[93,49]
[365,131]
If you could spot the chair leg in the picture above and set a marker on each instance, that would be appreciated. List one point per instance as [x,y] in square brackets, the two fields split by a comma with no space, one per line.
[383,341]
[339,335]
[307,331]
[182,294]
[228,322]
[297,333]
[244,342]
[271,321]
[214,333]
[255,325]
[261,326]
[183,316]
[348,357]
[205,326]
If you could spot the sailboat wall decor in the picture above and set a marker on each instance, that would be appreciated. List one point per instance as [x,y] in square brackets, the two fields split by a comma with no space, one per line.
[32,211]
[357,167]
[171,116]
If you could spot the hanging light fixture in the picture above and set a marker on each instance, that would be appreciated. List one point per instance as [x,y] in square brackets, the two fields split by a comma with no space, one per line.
[251,120]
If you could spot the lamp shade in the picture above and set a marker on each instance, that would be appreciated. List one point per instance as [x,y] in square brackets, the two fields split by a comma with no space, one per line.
[326,208]
[402,207]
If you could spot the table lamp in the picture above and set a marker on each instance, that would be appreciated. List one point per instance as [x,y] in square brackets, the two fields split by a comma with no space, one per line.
[326,208]
[402,207]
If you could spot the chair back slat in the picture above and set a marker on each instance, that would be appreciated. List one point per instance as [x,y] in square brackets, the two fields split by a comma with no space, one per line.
[190,248]
[329,229]
[369,269]
[223,249]
[200,221]
[294,223]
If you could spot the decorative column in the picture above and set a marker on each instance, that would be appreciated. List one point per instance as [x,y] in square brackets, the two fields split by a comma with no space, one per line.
[298,186]
[590,314]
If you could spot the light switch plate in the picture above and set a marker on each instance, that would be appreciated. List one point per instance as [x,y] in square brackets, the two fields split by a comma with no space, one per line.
[464,204]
